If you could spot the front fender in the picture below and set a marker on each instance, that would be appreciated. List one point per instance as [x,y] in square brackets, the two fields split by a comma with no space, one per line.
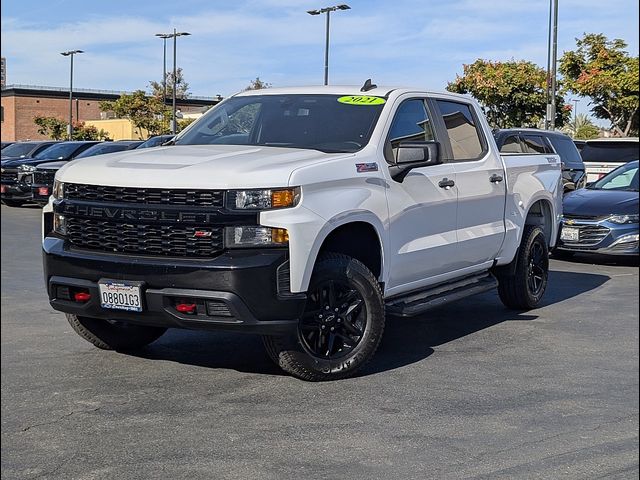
[307,233]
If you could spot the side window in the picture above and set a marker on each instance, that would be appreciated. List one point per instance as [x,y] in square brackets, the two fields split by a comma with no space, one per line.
[535,144]
[463,131]
[511,145]
[410,124]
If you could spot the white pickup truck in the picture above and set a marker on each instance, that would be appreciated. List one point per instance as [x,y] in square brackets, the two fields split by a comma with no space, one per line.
[306,215]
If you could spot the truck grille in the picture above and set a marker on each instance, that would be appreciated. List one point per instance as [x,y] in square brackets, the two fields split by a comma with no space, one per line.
[9,177]
[144,239]
[145,196]
[44,177]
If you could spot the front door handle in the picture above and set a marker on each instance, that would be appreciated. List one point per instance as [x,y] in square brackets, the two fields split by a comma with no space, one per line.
[495,178]
[446,183]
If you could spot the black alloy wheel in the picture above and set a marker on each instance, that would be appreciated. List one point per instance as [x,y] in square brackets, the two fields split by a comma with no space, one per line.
[537,268]
[334,320]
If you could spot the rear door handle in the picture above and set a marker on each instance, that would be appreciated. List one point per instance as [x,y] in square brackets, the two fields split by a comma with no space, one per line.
[495,178]
[446,183]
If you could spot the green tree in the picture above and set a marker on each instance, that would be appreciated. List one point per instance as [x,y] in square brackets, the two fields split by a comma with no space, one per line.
[182,86]
[582,128]
[145,112]
[512,93]
[56,129]
[257,84]
[602,70]
[51,127]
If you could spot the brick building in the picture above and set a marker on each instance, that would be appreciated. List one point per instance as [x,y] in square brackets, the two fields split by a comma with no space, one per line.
[22,103]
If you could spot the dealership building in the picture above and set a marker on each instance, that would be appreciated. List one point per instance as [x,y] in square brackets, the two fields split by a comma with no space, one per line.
[22,103]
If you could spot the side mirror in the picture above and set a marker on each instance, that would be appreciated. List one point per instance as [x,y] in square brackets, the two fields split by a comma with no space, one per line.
[410,155]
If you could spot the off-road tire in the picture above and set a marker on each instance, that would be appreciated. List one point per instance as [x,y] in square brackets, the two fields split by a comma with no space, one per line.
[515,289]
[114,336]
[289,352]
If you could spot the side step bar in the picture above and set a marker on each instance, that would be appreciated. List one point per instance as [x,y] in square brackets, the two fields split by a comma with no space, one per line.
[420,301]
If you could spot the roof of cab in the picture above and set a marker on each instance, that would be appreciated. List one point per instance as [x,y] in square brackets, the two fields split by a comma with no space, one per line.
[381,91]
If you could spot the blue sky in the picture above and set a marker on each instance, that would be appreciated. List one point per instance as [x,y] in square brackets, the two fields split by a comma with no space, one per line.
[421,43]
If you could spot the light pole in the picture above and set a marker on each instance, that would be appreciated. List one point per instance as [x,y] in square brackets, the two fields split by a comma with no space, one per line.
[174,35]
[552,60]
[71,53]
[164,37]
[328,11]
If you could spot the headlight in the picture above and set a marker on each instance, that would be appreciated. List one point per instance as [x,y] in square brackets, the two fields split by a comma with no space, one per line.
[251,236]
[262,199]
[27,168]
[623,219]
[58,190]
[59,224]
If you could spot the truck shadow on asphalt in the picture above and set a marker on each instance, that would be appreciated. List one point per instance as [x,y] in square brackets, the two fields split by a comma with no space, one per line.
[406,340]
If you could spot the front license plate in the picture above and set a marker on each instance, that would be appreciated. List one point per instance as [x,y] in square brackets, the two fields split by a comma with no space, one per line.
[120,296]
[570,234]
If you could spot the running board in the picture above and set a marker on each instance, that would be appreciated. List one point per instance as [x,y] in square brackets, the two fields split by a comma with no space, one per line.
[418,302]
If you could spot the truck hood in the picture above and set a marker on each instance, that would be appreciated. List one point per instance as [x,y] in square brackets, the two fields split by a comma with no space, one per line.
[194,166]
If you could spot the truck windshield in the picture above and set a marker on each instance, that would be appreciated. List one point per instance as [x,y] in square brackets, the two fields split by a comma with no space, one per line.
[328,123]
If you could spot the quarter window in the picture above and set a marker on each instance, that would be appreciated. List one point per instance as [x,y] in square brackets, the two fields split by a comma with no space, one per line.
[462,129]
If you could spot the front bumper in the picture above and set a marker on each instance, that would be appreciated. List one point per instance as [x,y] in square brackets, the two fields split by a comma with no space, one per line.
[16,191]
[602,237]
[242,290]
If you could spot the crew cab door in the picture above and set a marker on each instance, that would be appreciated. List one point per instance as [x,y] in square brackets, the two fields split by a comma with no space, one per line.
[422,207]
[480,183]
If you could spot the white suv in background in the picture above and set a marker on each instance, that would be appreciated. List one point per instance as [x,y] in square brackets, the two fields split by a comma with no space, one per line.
[604,155]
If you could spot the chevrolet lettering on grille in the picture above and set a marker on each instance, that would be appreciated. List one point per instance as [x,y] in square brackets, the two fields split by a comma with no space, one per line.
[117,213]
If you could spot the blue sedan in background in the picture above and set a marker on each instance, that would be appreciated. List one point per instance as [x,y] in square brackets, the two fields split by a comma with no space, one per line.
[603,217]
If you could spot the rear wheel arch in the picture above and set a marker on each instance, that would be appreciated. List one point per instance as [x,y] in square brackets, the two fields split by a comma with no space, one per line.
[541,214]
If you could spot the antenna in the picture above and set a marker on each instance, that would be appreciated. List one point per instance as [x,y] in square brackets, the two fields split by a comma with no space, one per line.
[368,86]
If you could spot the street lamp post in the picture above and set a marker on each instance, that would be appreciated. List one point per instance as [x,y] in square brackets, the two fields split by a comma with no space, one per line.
[328,11]
[552,60]
[575,115]
[71,53]
[174,35]
[164,37]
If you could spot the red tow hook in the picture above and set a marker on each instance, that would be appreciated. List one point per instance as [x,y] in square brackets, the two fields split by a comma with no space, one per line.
[186,307]
[82,297]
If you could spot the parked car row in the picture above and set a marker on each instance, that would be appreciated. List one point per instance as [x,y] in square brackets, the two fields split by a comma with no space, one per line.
[600,180]
[29,168]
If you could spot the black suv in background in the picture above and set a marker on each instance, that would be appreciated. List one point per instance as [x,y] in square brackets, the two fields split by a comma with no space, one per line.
[531,140]
[17,173]
[43,175]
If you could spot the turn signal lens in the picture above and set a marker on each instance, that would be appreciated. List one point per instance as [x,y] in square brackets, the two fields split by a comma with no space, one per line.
[282,198]
[279,235]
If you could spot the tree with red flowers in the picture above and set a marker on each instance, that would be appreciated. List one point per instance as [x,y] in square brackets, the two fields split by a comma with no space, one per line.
[602,70]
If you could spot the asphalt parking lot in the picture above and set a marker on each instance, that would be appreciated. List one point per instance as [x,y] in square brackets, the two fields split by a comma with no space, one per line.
[470,390]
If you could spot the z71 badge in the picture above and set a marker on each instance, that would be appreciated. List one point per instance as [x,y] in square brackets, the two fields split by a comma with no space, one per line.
[366,167]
